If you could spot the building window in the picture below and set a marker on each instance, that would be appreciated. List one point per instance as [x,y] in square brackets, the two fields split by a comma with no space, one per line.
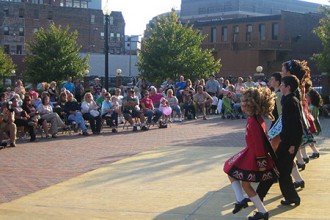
[112,37]
[6,12]
[36,14]
[262,32]
[50,15]
[84,4]
[102,34]
[62,3]
[76,4]
[236,33]
[69,3]
[19,49]
[112,51]
[21,13]
[21,31]
[35,30]
[275,31]
[213,34]
[224,34]
[248,32]
[6,48]
[111,20]
[92,19]
[118,50]
[37,1]
[118,35]
[5,30]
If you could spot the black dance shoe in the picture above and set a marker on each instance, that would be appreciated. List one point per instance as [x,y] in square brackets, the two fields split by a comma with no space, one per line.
[296,202]
[301,166]
[298,184]
[259,215]
[306,160]
[241,205]
[314,156]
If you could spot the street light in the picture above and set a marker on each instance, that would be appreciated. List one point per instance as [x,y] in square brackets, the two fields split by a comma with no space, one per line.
[106,11]
[119,71]
[118,78]
[259,69]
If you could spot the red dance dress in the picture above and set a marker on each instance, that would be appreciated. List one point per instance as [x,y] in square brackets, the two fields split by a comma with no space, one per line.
[245,165]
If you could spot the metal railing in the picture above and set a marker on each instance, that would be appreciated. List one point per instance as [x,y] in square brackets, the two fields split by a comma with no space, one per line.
[249,45]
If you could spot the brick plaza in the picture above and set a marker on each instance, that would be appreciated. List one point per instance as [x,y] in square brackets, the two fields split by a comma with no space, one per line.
[173,173]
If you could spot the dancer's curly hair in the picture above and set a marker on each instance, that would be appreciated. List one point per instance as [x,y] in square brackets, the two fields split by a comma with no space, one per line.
[300,69]
[259,101]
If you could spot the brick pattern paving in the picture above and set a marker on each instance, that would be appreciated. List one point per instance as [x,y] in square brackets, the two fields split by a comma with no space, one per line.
[33,166]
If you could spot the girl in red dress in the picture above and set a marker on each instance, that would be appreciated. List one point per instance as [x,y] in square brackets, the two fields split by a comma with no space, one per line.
[253,163]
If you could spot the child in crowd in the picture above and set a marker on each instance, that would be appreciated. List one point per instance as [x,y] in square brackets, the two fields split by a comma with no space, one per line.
[166,110]
[115,104]
[214,105]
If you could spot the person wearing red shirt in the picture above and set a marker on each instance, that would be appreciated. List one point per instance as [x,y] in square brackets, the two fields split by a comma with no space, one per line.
[149,110]
[253,163]
[155,96]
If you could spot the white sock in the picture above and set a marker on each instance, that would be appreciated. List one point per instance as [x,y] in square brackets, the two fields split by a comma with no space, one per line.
[299,158]
[303,152]
[258,204]
[237,187]
[295,174]
[314,148]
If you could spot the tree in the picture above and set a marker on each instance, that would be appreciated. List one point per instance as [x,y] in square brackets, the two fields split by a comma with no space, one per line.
[54,55]
[173,49]
[323,32]
[6,64]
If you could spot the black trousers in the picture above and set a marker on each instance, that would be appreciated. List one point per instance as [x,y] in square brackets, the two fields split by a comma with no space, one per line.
[112,121]
[25,124]
[284,165]
[95,122]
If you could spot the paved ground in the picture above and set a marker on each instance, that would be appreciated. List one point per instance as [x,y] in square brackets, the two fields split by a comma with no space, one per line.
[31,167]
[175,173]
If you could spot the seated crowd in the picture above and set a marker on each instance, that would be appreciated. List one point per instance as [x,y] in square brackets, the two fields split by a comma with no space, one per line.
[49,109]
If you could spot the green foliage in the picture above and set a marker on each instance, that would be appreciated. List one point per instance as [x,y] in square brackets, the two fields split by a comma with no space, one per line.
[6,64]
[54,55]
[174,49]
[323,32]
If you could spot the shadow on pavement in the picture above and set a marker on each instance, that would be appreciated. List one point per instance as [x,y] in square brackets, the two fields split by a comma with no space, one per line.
[217,205]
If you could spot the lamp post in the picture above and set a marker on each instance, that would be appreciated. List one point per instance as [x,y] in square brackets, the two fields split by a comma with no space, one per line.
[259,70]
[13,72]
[106,11]
[118,78]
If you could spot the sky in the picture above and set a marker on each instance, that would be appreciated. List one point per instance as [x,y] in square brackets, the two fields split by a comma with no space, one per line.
[138,13]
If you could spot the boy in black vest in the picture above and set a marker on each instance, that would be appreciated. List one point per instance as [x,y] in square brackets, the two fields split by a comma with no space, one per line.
[291,138]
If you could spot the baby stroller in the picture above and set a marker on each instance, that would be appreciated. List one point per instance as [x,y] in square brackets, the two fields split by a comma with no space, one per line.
[227,108]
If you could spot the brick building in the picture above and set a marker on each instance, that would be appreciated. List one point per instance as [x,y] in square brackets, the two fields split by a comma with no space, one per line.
[20,19]
[242,44]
